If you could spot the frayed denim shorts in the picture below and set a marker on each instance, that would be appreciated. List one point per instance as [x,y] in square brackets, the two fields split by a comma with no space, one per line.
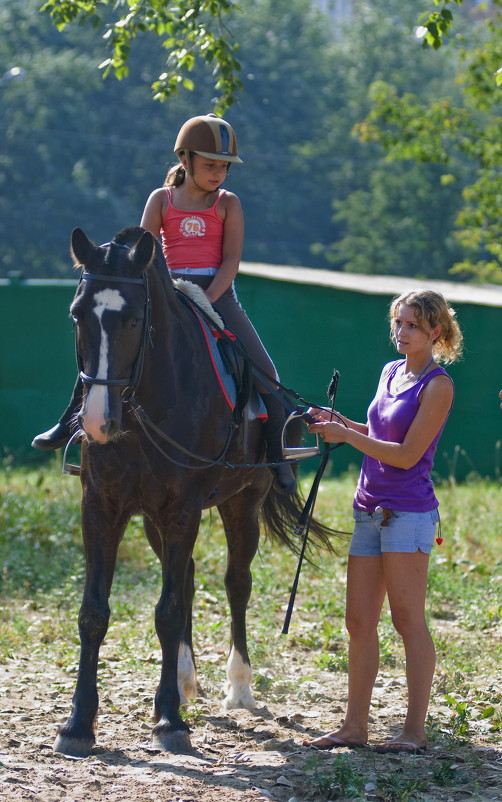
[377,532]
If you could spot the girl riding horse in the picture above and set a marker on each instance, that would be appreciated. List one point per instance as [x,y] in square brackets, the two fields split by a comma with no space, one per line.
[201,229]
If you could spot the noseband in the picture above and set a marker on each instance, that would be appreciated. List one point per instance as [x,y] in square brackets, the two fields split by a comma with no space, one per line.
[133,381]
[146,424]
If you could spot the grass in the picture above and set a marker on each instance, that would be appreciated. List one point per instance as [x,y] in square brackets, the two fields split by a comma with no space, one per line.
[42,568]
[41,562]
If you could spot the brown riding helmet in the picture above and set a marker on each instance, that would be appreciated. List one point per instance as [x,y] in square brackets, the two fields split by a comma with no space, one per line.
[208,136]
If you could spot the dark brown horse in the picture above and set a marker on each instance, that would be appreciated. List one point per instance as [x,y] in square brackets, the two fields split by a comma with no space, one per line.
[139,348]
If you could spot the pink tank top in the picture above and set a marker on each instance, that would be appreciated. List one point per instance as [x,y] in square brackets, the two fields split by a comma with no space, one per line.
[192,239]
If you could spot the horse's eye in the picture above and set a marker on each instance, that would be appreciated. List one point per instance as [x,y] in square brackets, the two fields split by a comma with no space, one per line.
[134,323]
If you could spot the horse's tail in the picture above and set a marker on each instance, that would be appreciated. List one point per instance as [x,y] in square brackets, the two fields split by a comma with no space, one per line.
[281,514]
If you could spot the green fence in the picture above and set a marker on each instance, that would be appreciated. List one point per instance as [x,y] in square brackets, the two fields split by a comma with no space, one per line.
[311,322]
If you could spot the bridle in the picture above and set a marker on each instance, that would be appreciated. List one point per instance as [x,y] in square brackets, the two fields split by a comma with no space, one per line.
[148,427]
[132,381]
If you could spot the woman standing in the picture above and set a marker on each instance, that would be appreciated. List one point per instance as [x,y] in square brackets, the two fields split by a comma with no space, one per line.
[395,512]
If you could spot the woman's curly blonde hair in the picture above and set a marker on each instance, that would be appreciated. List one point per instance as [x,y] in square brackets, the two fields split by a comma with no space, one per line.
[432,308]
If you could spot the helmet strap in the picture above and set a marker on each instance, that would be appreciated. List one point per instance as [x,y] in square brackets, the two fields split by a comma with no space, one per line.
[185,160]
[187,163]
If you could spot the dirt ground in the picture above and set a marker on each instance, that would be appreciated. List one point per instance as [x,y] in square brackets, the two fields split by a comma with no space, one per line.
[238,755]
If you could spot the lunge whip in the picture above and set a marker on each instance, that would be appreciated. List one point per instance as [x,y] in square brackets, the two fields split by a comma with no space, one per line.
[303,525]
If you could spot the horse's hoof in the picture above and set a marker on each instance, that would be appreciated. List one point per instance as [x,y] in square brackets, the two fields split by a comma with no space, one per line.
[73,747]
[239,698]
[177,742]
[242,701]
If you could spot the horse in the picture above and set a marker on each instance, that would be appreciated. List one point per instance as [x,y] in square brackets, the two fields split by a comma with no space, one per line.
[158,437]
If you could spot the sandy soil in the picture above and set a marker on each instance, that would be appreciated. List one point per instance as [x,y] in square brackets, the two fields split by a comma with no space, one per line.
[238,756]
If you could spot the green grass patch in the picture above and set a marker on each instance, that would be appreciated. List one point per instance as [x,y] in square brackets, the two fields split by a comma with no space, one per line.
[42,571]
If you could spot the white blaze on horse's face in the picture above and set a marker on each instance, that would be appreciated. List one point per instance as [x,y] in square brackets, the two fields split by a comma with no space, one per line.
[95,413]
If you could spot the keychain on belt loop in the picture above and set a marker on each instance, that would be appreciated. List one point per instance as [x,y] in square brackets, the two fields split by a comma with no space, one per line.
[439,536]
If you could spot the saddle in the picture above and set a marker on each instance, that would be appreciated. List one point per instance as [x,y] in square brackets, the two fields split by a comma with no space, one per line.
[239,368]
[228,361]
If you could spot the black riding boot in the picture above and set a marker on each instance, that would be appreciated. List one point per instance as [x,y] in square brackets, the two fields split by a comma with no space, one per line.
[59,435]
[272,428]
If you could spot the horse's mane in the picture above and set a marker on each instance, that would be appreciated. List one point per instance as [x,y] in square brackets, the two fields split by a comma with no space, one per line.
[129,236]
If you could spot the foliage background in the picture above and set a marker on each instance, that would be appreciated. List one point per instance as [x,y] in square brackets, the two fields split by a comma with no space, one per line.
[317,186]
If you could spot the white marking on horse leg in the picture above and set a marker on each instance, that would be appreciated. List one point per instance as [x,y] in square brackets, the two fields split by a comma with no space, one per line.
[95,412]
[187,677]
[237,686]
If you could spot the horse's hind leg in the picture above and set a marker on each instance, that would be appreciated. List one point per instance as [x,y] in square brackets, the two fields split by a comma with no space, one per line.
[240,519]
[101,539]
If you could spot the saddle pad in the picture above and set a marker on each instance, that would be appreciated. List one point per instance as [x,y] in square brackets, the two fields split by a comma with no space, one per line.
[255,407]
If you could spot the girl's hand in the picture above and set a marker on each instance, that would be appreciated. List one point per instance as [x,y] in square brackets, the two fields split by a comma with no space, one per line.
[329,431]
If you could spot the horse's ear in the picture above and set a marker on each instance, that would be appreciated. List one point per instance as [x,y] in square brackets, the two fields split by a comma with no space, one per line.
[144,252]
[81,247]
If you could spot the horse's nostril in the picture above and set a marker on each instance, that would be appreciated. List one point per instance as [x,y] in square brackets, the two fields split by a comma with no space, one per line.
[110,428]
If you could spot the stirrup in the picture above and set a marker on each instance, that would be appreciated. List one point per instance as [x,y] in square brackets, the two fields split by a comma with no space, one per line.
[301,452]
[68,468]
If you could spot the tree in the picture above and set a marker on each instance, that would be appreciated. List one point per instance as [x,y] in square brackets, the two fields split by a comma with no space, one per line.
[446,129]
[188,30]
[437,24]
[289,88]
[81,151]
[389,217]
[77,150]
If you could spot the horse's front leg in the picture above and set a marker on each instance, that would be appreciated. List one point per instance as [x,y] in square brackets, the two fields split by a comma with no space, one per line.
[240,519]
[173,624]
[101,536]
[187,675]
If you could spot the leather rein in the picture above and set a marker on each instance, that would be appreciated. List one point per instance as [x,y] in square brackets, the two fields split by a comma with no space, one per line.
[131,383]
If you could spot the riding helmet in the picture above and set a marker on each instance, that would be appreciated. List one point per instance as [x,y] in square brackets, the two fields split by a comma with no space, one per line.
[208,136]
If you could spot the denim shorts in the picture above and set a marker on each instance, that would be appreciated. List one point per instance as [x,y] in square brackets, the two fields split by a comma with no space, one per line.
[404,532]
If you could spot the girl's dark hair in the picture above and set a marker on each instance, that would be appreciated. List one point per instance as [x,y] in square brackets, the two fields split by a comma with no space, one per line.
[175,176]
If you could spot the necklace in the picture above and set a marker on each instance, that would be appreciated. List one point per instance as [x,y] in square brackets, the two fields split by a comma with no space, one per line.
[422,373]
[401,383]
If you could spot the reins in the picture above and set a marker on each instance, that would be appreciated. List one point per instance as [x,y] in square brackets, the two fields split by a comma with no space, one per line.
[148,426]
[273,385]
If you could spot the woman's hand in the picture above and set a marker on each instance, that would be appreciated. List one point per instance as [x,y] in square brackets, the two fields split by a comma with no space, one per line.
[319,414]
[329,431]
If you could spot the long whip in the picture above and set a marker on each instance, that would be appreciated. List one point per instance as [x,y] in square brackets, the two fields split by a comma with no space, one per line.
[305,520]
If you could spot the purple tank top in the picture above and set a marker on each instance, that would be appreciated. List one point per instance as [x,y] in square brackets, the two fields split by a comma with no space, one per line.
[389,417]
